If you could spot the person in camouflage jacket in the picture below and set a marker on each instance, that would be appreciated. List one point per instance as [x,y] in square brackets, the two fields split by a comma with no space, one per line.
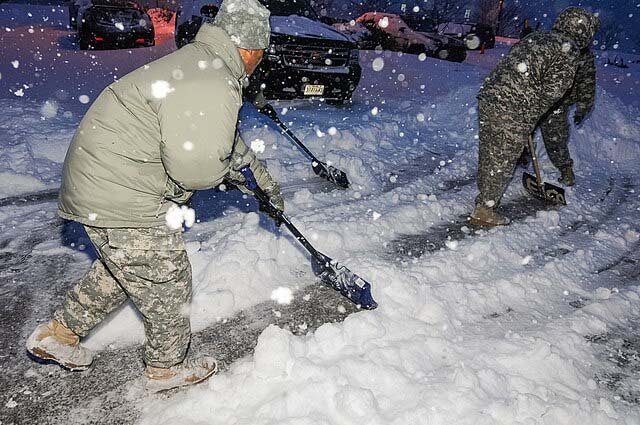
[533,85]
[146,144]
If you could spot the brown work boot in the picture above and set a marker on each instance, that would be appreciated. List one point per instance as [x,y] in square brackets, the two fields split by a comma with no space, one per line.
[487,217]
[567,178]
[189,372]
[54,341]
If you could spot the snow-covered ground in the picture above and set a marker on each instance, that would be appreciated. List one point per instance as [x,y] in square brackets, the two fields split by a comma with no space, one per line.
[506,326]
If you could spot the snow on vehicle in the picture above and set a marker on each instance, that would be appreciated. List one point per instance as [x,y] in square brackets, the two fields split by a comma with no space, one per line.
[391,33]
[474,35]
[114,23]
[306,58]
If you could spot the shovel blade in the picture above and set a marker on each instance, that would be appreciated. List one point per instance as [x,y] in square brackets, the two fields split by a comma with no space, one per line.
[331,173]
[349,284]
[548,192]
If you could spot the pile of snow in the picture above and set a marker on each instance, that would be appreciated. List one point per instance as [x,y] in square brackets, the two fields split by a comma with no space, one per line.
[36,137]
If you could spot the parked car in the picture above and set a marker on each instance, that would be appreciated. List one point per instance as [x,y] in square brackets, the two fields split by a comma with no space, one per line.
[391,33]
[473,35]
[306,58]
[114,23]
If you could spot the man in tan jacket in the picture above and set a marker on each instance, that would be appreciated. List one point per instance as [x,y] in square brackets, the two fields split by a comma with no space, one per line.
[150,140]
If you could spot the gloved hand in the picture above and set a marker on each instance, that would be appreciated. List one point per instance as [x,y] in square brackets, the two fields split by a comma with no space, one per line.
[269,186]
[276,205]
[268,110]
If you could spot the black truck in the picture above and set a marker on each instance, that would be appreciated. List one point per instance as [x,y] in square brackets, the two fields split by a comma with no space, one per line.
[306,58]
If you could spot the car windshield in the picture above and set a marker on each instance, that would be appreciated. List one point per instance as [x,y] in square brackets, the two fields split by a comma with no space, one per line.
[290,7]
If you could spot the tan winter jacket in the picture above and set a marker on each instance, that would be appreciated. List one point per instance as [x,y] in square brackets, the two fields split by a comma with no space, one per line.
[156,135]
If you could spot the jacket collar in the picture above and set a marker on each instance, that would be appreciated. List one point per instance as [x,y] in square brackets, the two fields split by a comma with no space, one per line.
[220,42]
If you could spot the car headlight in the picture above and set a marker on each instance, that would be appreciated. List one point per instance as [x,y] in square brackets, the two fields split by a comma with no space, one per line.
[354,55]
[145,22]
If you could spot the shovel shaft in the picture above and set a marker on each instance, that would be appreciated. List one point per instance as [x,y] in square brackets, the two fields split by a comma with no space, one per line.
[271,113]
[536,167]
[260,194]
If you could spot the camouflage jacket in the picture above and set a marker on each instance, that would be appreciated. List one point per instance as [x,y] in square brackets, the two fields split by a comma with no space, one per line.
[544,71]
[583,91]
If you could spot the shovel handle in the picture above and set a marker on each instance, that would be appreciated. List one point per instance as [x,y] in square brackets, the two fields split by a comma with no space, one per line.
[268,110]
[536,167]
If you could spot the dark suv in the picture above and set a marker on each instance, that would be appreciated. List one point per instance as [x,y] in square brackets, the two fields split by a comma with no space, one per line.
[306,58]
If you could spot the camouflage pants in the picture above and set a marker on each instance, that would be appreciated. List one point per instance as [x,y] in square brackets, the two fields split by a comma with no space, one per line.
[502,140]
[150,267]
[555,133]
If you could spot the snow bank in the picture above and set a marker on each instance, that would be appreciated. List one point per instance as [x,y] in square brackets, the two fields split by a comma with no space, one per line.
[35,143]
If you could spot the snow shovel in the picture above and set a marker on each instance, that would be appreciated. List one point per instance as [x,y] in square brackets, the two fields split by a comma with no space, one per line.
[333,274]
[335,176]
[535,186]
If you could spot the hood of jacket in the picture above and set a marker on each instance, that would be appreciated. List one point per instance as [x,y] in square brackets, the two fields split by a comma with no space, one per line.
[218,40]
[578,24]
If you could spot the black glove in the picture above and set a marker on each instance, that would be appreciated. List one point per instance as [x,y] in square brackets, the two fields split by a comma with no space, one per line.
[268,110]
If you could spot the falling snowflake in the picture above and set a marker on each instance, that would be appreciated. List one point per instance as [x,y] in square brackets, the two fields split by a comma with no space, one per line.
[282,295]
[120,26]
[49,109]
[384,22]
[187,146]
[176,216]
[84,99]
[522,67]
[15,64]
[377,64]
[160,89]
[177,74]
[257,145]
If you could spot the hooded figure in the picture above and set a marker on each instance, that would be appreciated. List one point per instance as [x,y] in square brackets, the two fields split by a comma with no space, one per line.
[542,73]
[146,144]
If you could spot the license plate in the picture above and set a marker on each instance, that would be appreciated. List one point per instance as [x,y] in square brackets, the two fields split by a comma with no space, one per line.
[313,90]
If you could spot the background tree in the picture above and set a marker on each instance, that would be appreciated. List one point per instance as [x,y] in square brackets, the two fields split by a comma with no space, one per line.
[486,12]
[510,18]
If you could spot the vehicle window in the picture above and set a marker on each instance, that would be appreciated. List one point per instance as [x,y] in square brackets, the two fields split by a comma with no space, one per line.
[290,7]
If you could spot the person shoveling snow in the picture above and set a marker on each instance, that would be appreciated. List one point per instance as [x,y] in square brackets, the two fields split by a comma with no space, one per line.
[542,75]
[150,140]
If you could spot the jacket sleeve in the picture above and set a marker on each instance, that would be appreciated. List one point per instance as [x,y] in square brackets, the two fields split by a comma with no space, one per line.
[242,156]
[557,80]
[198,125]
[585,83]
